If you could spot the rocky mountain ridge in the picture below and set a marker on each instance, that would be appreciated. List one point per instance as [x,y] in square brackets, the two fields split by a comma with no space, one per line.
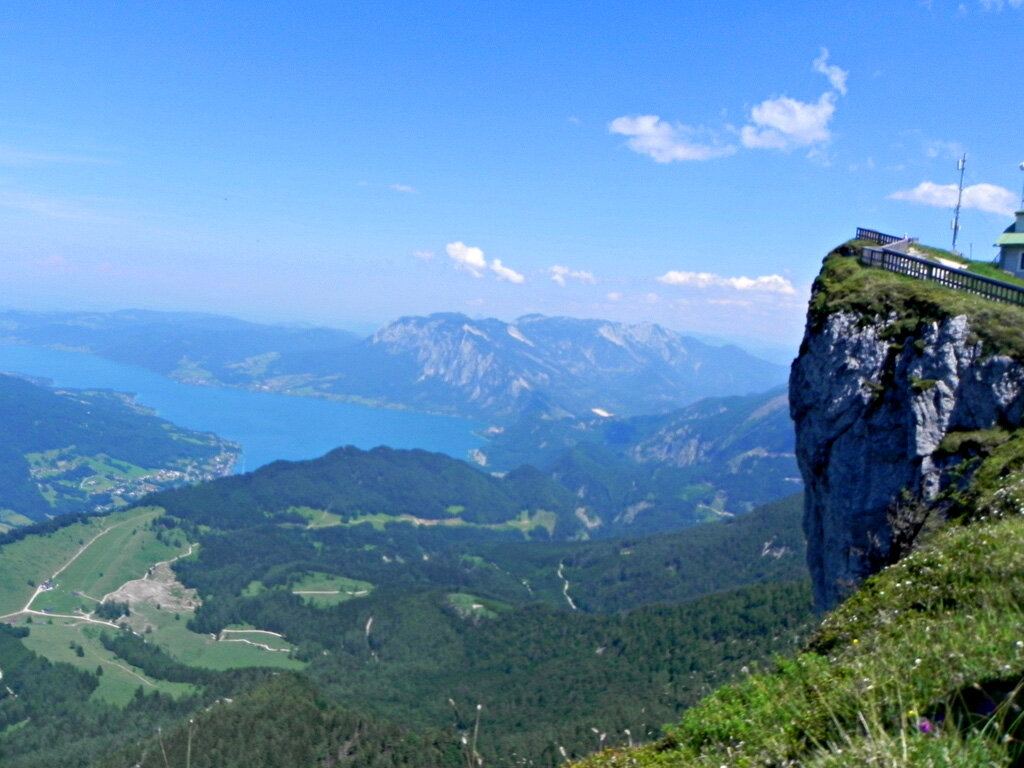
[447,363]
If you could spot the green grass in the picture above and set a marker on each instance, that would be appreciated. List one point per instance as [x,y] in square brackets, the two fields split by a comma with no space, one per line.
[205,651]
[875,294]
[318,518]
[119,681]
[472,607]
[917,642]
[35,558]
[123,553]
[337,589]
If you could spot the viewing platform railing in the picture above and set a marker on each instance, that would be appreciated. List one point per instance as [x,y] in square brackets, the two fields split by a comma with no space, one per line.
[881,238]
[894,259]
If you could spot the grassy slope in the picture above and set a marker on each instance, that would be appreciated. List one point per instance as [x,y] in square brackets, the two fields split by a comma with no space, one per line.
[112,550]
[36,558]
[924,665]
[933,643]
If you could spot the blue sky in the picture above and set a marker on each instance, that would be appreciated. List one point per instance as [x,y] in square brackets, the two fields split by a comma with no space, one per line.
[341,163]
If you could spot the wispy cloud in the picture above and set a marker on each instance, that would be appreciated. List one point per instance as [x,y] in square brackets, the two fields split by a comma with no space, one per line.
[764,283]
[836,76]
[19,157]
[471,259]
[779,122]
[51,207]
[424,255]
[666,143]
[506,273]
[562,274]
[983,197]
[405,188]
[998,5]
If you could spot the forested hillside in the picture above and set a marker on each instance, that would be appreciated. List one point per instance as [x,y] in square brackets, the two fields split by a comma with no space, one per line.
[71,450]
[388,620]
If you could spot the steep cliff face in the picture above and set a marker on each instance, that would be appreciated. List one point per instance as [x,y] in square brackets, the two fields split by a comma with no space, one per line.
[877,387]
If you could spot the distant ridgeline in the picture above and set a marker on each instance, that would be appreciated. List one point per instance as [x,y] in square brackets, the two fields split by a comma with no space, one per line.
[444,363]
[71,451]
[597,478]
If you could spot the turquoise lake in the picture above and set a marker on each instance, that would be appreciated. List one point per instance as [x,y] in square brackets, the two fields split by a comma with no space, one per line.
[267,426]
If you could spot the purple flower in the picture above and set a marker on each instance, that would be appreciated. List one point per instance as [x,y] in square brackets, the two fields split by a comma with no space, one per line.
[925,725]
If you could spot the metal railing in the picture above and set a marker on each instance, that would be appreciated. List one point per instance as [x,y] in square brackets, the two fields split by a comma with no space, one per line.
[880,237]
[903,263]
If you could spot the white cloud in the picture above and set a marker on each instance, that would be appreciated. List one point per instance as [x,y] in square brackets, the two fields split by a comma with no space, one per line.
[424,255]
[764,283]
[561,274]
[983,197]
[614,296]
[665,143]
[467,257]
[504,273]
[405,188]
[782,122]
[836,76]
[472,260]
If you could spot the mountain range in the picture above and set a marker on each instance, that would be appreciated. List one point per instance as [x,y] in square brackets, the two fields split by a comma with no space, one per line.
[448,363]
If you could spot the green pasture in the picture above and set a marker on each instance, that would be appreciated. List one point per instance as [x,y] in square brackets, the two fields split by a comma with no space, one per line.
[123,553]
[53,638]
[198,650]
[526,522]
[318,518]
[33,560]
[334,589]
[470,606]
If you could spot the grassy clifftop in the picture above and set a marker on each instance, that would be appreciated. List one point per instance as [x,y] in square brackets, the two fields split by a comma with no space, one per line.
[924,664]
[845,285]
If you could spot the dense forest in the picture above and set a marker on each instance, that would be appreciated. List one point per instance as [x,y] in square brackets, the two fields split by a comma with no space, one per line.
[522,647]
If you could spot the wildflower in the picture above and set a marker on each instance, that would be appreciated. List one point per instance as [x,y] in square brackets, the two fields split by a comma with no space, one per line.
[925,725]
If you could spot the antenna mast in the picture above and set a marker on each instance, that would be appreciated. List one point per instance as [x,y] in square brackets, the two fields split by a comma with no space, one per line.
[961,164]
[1022,191]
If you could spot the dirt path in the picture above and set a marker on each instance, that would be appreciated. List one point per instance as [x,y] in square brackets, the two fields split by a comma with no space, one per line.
[565,586]
[41,588]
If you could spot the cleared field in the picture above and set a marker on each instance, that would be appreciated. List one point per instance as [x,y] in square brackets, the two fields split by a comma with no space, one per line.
[60,641]
[207,651]
[525,522]
[327,589]
[470,606]
[33,560]
[318,518]
[125,551]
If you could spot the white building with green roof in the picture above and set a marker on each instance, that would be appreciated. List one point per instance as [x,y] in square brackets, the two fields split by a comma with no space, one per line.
[1011,247]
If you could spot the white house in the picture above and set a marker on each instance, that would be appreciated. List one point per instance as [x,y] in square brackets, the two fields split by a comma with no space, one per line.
[1011,247]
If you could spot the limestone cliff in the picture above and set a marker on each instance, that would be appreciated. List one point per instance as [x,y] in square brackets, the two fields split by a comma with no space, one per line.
[888,369]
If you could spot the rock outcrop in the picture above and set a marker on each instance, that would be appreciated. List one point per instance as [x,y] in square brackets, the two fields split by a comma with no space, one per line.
[872,403]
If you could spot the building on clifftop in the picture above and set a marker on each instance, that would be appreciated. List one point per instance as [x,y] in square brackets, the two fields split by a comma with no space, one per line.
[1011,247]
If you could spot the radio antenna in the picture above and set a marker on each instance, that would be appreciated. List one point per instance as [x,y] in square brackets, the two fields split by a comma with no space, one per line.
[961,164]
